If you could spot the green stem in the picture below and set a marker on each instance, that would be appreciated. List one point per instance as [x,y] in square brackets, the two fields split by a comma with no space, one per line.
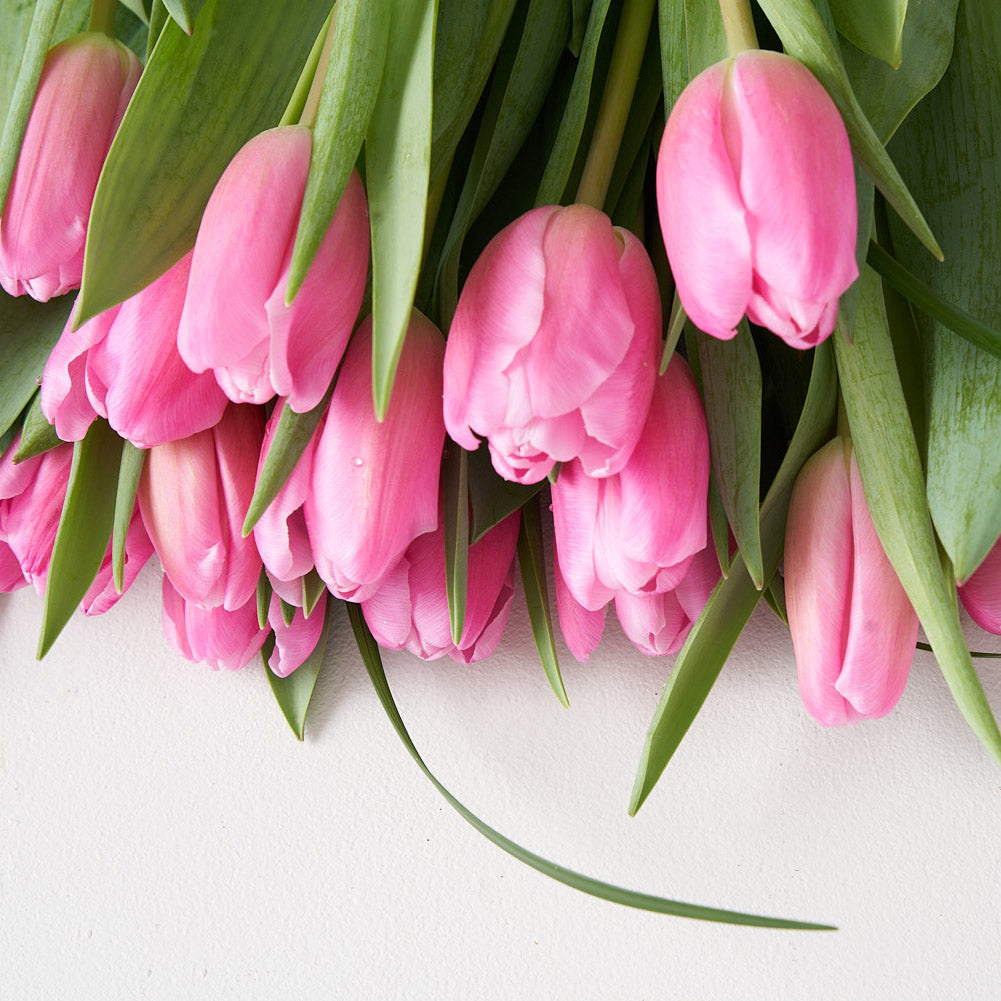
[738,23]
[308,116]
[623,72]
[102,16]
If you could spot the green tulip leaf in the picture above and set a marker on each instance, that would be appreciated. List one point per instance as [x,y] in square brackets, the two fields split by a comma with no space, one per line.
[455,505]
[491,497]
[350,88]
[198,101]
[288,611]
[38,436]
[158,17]
[84,528]
[264,591]
[133,460]
[585,884]
[184,12]
[691,39]
[876,26]
[313,589]
[890,467]
[397,165]
[300,95]
[730,606]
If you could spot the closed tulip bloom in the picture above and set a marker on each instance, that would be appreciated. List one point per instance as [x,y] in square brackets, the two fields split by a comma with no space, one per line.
[193,495]
[638,530]
[219,637]
[295,641]
[410,609]
[756,193]
[551,355]
[235,320]
[981,594]
[123,365]
[85,85]
[374,486]
[853,628]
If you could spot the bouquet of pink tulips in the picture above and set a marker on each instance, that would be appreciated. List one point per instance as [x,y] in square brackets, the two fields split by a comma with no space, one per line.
[365,301]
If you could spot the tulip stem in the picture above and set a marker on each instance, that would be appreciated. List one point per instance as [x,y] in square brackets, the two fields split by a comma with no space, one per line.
[738,23]
[623,72]
[102,16]
[312,105]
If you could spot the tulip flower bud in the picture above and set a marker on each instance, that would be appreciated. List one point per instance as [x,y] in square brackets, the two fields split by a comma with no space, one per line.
[410,609]
[235,320]
[552,351]
[638,530]
[756,193]
[853,628]
[374,486]
[123,365]
[981,594]
[193,495]
[85,85]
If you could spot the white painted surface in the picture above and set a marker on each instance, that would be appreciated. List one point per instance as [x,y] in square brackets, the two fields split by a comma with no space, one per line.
[164,835]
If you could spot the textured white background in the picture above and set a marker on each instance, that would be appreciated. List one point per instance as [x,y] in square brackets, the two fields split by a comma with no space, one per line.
[165,836]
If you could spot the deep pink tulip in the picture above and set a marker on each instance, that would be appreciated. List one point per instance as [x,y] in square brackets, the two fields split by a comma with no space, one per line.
[410,609]
[235,320]
[853,628]
[124,365]
[374,486]
[193,496]
[637,530]
[219,637]
[551,355]
[756,193]
[981,594]
[84,88]
[297,640]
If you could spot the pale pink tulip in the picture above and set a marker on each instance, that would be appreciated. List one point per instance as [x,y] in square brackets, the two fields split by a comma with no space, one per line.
[756,193]
[410,609]
[638,530]
[551,355]
[193,496]
[84,88]
[297,640]
[374,486]
[853,628]
[123,365]
[581,627]
[103,594]
[11,577]
[235,320]
[981,594]
[219,637]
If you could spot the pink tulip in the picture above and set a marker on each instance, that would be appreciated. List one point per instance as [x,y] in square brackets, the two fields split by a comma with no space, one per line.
[853,628]
[193,496]
[123,365]
[552,352]
[219,637]
[297,640]
[235,320]
[103,594]
[374,486]
[410,609]
[756,193]
[638,530]
[84,88]
[981,594]
[11,577]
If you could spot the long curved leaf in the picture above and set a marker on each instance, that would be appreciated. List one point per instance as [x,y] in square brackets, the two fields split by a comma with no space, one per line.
[455,512]
[876,26]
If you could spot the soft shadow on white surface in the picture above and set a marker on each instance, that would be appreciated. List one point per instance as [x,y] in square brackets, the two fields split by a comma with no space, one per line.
[166,837]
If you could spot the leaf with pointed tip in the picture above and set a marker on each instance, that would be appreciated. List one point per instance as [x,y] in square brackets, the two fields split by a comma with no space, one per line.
[455,513]
[37,434]
[876,26]
[585,884]
[263,601]
[198,101]
[730,606]
[397,168]
[84,528]
[158,17]
[532,561]
[297,102]
[184,12]
[133,460]
[492,498]
[350,89]
[313,590]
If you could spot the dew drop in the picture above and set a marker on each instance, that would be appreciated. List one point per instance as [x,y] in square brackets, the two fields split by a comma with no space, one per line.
[357,461]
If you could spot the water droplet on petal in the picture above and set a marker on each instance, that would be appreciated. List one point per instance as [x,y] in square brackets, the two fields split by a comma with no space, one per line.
[357,461]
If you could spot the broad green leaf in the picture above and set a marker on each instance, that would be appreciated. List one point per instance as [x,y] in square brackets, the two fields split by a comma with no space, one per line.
[950,146]
[532,561]
[731,385]
[585,884]
[890,467]
[455,512]
[581,20]
[350,88]
[397,165]
[184,12]
[293,693]
[37,434]
[564,151]
[492,498]
[291,437]
[691,39]
[875,26]
[84,528]
[198,101]
[712,637]
[28,333]
[804,36]
[133,460]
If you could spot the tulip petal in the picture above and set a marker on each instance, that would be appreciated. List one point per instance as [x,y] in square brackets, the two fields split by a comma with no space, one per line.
[981,594]
[296,641]
[581,627]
